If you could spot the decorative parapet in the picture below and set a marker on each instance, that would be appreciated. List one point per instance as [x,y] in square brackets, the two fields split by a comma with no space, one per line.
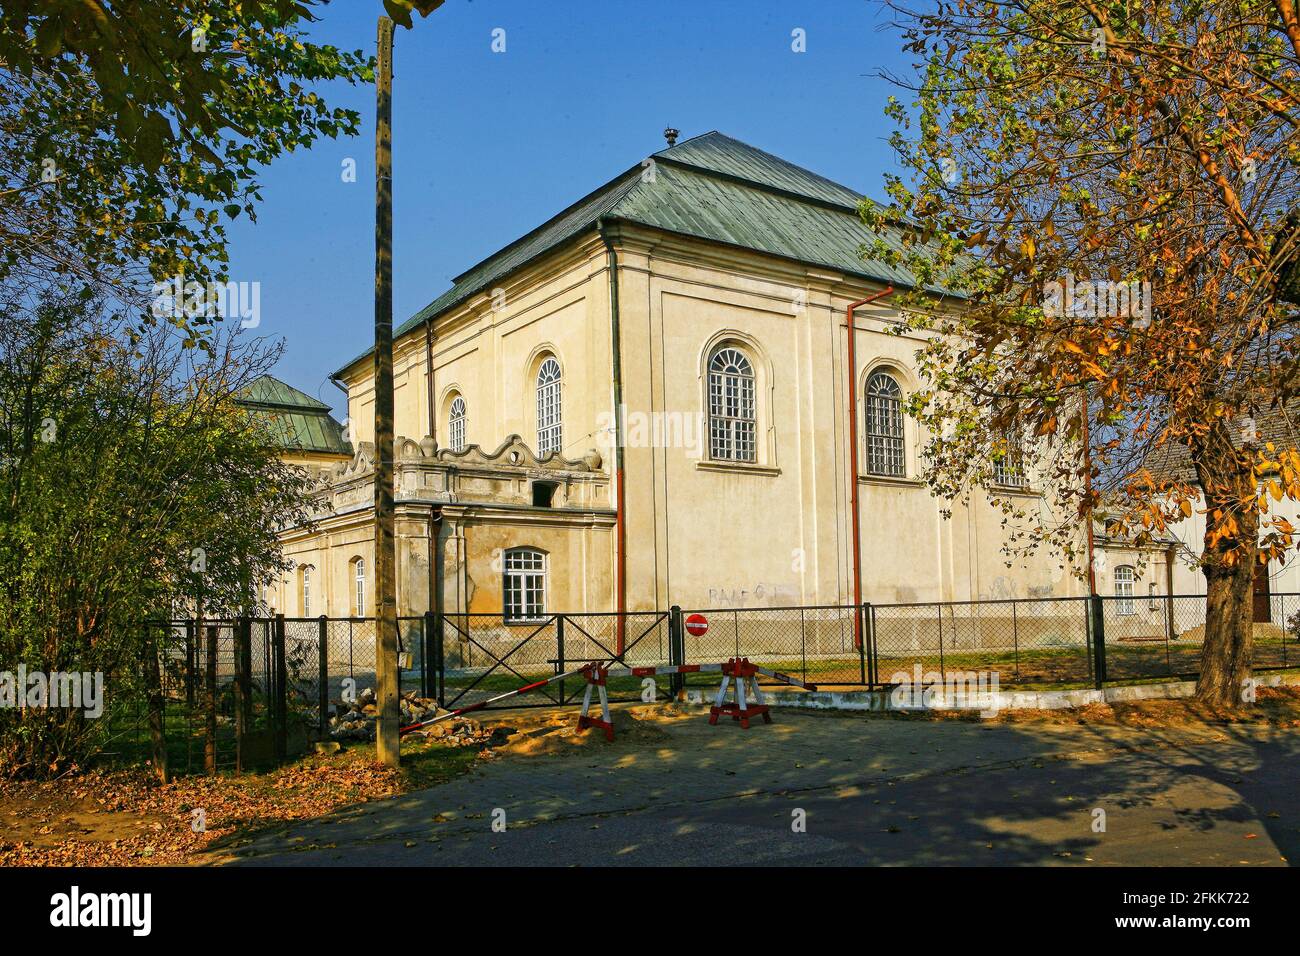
[506,475]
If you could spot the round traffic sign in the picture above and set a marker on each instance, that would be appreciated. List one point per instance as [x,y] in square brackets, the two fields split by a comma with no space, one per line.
[697,624]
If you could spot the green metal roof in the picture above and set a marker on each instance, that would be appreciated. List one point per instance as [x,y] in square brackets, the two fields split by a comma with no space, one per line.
[269,390]
[294,420]
[709,187]
[718,153]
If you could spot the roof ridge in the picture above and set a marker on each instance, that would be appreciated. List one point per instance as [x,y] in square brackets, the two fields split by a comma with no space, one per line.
[301,400]
[773,158]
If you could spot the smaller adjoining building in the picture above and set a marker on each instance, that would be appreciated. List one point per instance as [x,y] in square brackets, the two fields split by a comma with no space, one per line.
[299,425]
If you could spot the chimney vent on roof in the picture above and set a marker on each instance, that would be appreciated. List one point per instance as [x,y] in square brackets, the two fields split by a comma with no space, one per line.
[670,134]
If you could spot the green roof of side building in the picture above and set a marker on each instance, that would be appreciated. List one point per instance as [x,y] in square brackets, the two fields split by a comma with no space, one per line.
[710,187]
[295,420]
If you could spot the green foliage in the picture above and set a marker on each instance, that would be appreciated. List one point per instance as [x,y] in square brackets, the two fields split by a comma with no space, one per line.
[1136,147]
[131,487]
[132,130]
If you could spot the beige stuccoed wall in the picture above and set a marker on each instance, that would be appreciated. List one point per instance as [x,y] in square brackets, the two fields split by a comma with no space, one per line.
[699,534]
[489,349]
[777,532]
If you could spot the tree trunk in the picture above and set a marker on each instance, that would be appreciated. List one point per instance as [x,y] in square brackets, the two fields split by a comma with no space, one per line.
[157,706]
[1228,561]
[1229,634]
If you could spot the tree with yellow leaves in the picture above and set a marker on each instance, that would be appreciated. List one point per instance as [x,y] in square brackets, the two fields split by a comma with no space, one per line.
[1108,191]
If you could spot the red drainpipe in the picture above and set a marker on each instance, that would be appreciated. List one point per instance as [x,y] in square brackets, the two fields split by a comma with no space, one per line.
[854,517]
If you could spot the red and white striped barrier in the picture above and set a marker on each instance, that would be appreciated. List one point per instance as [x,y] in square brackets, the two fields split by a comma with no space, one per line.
[706,669]
[597,669]
[596,678]
[744,675]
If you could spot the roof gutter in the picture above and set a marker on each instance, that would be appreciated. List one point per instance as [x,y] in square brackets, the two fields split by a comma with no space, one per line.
[428,378]
[855,517]
[620,525]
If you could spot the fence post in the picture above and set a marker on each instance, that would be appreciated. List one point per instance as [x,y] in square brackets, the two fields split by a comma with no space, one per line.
[863,667]
[440,657]
[942,675]
[873,674]
[559,650]
[243,664]
[191,663]
[280,701]
[1098,631]
[1015,636]
[676,649]
[1169,633]
[210,700]
[323,676]
[426,657]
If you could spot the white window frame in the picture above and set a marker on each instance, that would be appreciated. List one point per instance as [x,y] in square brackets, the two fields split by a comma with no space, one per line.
[456,424]
[886,442]
[523,586]
[733,406]
[1009,467]
[1125,578]
[305,594]
[359,586]
[1153,599]
[550,425]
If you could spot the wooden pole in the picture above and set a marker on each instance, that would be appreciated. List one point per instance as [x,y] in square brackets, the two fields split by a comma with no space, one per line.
[387,741]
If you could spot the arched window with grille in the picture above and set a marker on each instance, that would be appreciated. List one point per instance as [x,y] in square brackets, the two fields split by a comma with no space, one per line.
[733,419]
[456,424]
[550,437]
[1124,578]
[884,406]
[523,590]
[359,586]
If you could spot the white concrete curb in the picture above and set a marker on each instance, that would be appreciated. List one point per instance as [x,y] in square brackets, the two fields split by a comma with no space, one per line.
[879,700]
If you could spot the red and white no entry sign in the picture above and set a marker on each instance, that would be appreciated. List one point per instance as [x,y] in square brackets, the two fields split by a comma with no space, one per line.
[697,624]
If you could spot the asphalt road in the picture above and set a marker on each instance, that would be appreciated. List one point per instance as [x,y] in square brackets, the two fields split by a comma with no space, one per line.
[871,790]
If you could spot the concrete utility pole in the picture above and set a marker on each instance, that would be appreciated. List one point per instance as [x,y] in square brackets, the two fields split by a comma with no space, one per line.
[387,676]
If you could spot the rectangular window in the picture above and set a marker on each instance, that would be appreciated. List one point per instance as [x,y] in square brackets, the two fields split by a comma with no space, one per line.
[1009,466]
[523,596]
[360,572]
[1124,590]
[1152,603]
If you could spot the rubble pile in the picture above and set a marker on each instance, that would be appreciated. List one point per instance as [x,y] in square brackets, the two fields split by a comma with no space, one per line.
[355,720]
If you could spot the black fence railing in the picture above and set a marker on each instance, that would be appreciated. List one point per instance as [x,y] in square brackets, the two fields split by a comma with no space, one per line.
[1043,642]
[238,691]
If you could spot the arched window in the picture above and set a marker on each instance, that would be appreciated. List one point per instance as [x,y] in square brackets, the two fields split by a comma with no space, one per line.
[549,435]
[306,590]
[1124,578]
[885,426]
[456,424]
[732,418]
[523,591]
[359,584]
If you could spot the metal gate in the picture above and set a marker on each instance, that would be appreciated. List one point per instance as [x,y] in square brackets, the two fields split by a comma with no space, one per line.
[477,656]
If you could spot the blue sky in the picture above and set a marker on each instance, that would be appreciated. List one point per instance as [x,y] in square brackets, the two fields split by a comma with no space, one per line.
[489,145]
